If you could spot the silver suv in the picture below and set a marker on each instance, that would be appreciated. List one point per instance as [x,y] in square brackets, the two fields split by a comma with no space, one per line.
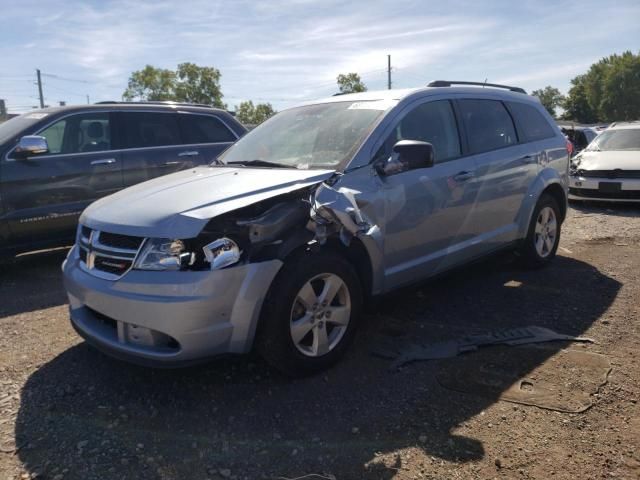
[281,240]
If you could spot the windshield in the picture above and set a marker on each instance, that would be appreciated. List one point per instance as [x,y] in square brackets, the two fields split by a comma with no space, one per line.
[16,125]
[316,136]
[627,139]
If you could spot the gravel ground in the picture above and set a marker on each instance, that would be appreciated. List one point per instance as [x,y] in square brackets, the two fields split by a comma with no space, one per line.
[68,412]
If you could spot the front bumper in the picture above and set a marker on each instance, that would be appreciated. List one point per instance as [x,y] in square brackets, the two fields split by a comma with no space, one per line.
[588,188]
[169,318]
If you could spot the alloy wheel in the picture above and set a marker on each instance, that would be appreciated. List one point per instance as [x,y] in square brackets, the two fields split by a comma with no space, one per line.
[320,315]
[546,231]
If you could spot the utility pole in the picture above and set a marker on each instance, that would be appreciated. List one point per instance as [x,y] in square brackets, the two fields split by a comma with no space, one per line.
[40,89]
[87,99]
[389,72]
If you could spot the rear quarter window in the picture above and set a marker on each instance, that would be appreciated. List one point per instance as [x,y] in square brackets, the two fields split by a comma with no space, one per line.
[532,125]
[204,129]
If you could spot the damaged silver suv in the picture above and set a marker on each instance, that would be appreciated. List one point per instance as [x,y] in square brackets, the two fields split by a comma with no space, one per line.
[279,242]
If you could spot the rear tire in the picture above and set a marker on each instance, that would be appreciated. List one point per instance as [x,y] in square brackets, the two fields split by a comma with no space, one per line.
[541,243]
[310,314]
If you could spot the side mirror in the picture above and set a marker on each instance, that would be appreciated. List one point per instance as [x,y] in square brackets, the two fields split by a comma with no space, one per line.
[31,145]
[410,155]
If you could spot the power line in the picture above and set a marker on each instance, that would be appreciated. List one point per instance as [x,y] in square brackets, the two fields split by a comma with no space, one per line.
[58,77]
[65,91]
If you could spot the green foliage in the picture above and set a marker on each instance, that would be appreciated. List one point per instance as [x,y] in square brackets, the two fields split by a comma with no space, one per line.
[576,106]
[609,91]
[150,83]
[550,97]
[189,83]
[250,114]
[350,83]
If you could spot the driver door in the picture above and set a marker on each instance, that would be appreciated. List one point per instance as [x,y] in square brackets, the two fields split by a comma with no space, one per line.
[44,194]
[429,224]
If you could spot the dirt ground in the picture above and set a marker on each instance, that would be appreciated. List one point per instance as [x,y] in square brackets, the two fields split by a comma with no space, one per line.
[69,412]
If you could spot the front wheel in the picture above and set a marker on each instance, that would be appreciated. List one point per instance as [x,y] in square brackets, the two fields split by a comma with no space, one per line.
[310,314]
[543,236]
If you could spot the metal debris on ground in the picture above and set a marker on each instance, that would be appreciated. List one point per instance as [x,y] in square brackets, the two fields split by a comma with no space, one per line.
[403,354]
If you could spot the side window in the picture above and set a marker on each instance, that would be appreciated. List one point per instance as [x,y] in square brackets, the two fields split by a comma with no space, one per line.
[531,122]
[204,129]
[86,132]
[489,126]
[150,129]
[54,135]
[432,122]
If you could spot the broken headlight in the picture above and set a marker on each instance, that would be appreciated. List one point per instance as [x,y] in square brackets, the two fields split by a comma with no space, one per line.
[163,254]
[221,253]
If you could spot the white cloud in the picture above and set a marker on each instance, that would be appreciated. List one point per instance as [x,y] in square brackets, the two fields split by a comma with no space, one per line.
[288,50]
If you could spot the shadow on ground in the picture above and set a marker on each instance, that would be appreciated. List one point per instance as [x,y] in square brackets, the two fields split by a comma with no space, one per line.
[103,419]
[32,282]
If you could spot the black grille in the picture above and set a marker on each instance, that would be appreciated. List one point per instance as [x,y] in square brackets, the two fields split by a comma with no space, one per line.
[120,241]
[593,193]
[111,254]
[609,173]
[108,321]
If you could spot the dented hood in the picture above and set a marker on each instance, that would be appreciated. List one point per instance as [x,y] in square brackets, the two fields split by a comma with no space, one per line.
[610,160]
[179,205]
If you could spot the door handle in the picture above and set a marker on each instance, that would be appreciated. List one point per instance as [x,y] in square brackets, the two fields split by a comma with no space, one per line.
[463,176]
[172,163]
[189,153]
[104,161]
[528,159]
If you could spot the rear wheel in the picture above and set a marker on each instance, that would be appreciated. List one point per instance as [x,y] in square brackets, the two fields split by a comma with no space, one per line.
[310,315]
[543,237]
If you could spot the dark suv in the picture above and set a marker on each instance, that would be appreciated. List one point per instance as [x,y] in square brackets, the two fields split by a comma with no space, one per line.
[56,161]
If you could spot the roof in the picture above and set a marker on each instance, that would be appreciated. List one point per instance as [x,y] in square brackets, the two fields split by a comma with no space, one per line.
[130,105]
[625,125]
[401,94]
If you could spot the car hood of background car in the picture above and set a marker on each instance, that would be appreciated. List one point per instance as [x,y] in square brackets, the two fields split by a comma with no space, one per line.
[179,205]
[610,160]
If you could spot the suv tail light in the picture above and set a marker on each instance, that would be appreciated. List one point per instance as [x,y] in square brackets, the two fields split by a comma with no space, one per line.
[569,148]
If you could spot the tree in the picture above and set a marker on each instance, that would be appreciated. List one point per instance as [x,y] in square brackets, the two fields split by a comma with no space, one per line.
[618,87]
[350,83]
[576,106]
[250,114]
[198,85]
[189,83]
[550,97]
[150,83]
[609,91]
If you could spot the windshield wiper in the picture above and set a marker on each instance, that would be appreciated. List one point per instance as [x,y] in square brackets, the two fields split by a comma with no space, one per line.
[260,163]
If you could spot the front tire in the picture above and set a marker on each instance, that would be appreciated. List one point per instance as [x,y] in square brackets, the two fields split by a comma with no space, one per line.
[543,237]
[310,314]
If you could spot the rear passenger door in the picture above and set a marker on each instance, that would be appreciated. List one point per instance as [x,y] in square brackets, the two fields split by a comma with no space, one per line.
[504,169]
[204,137]
[152,145]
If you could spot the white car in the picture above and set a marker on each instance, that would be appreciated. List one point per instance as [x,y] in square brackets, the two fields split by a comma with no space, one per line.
[609,168]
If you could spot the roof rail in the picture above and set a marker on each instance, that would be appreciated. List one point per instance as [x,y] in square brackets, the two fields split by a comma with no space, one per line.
[155,102]
[448,83]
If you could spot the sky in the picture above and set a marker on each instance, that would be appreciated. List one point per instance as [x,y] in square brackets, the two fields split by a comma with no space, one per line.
[288,51]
